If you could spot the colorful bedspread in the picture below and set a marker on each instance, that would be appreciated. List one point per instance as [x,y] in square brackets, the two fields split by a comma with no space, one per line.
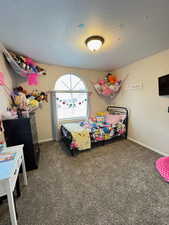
[84,133]
[103,132]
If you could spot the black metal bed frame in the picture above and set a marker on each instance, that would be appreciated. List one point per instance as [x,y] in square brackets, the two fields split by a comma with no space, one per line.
[112,110]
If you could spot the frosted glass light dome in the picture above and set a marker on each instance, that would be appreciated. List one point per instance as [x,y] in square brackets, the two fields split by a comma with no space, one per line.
[94,43]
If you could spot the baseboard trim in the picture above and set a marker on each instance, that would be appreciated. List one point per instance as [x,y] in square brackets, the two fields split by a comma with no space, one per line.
[146,146]
[45,140]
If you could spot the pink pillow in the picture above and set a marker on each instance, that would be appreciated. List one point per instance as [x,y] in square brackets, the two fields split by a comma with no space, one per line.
[113,119]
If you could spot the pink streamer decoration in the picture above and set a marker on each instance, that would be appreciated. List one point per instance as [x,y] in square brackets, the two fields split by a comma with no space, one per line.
[2,81]
[33,79]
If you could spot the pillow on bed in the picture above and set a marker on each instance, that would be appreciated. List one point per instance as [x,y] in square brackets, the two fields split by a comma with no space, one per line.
[113,119]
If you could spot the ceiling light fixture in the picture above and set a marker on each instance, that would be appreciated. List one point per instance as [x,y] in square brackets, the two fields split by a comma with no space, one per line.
[94,43]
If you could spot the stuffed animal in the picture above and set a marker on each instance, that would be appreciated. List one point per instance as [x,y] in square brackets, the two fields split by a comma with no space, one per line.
[111,79]
[42,97]
[33,103]
[101,82]
[106,91]
[108,86]
[106,130]
[19,98]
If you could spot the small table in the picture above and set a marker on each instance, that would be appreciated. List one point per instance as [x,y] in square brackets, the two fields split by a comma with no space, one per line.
[9,172]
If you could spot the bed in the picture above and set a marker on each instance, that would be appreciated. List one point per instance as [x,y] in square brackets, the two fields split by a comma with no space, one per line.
[80,136]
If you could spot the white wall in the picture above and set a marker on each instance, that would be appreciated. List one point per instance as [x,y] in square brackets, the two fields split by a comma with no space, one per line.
[149,117]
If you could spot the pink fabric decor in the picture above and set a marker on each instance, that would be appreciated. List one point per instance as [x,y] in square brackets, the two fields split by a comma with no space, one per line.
[2,82]
[33,79]
[106,91]
[113,119]
[162,166]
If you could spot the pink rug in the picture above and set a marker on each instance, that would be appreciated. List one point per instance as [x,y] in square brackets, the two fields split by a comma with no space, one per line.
[162,166]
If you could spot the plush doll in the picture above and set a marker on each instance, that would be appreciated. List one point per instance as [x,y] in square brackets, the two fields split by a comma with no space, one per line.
[106,130]
[34,93]
[111,79]
[42,97]
[114,88]
[106,91]
[19,98]
[13,111]
[9,113]
[101,82]
[33,103]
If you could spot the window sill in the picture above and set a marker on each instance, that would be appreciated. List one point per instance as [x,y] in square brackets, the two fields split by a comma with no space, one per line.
[70,120]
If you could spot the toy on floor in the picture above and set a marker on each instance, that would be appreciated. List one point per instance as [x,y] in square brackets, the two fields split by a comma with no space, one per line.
[162,166]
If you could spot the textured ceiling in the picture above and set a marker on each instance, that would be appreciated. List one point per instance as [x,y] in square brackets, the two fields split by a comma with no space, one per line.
[48,31]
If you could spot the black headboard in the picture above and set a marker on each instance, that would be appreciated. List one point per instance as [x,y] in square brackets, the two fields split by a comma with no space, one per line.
[116,110]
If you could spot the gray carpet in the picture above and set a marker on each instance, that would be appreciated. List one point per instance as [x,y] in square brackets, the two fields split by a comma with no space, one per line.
[116,184]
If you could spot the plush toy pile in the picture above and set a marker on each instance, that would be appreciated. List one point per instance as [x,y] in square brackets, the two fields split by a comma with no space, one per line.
[108,86]
[27,101]
[104,126]
[28,67]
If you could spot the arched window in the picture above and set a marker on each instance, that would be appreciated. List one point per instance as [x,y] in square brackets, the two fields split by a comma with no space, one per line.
[71,98]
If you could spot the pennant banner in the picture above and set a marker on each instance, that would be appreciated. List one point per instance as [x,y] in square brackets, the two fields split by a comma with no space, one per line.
[70,103]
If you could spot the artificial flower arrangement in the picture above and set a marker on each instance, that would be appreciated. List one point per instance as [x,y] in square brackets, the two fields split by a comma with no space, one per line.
[108,86]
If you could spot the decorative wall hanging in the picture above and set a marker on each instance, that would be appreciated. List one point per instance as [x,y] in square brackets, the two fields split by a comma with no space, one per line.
[2,80]
[109,86]
[134,85]
[24,66]
[70,103]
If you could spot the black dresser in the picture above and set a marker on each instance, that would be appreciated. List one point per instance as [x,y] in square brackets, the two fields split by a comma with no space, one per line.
[24,131]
